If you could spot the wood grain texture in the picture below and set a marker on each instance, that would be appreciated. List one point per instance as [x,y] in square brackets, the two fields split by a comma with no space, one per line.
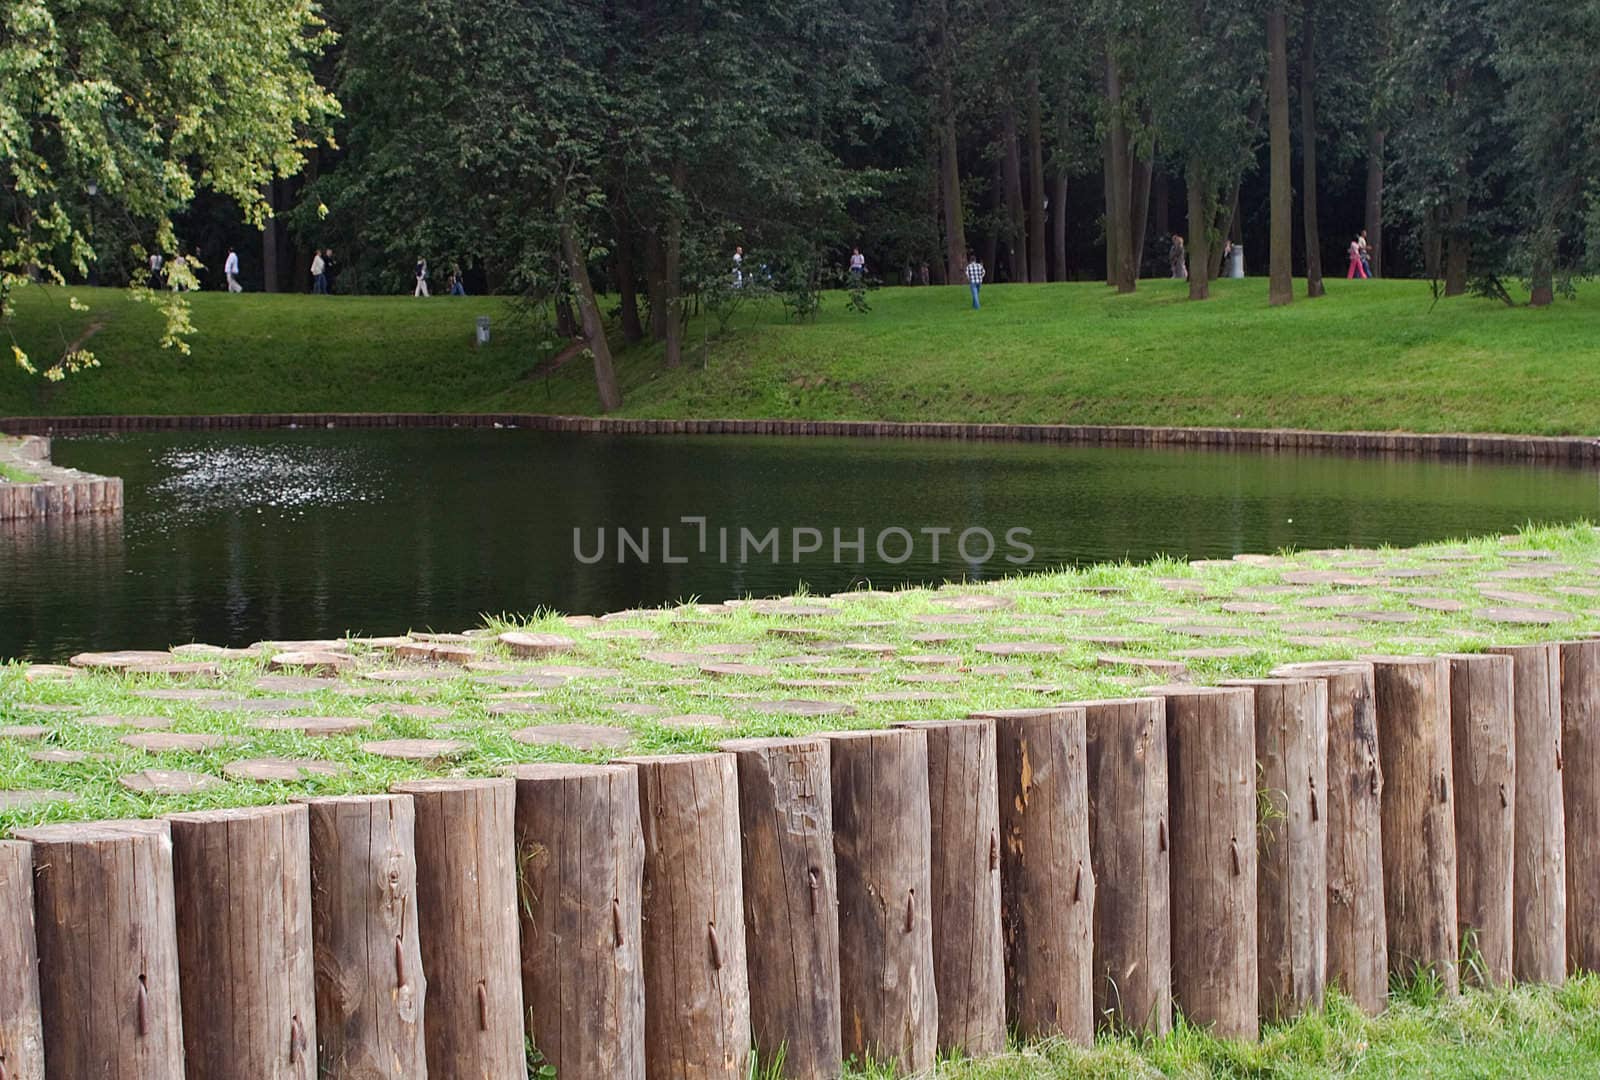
[1483,753]
[21,1028]
[1580,748]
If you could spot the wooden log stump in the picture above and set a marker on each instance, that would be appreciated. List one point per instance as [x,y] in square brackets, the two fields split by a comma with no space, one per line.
[580,860]
[791,907]
[696,985]
[1484,766]
[21,1028]
[1211,769]
[242,881]
[1539,934]
[1358,959]
[1046,874]
[108,999]
[370,983]
[968,952]
[1412,696]
[1126,742]
[1580,749]
[881,842]
[1291,722]
[467,926]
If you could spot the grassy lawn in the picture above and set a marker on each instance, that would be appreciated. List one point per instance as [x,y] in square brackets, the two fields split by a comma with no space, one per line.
[1377,355]
[10,471]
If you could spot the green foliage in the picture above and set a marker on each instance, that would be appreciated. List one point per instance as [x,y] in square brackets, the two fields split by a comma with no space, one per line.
[147,103]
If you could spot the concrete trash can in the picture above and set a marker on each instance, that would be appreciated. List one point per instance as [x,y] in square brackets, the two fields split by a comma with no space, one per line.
[483,330]
[1236,262]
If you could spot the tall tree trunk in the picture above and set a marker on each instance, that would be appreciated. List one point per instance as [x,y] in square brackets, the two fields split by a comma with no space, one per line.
[1280,285]
[991,239]
[594,330]
[1227,229]
[1432,246]
[1016,210]
[1308,150]
[627,284]
[1058,224]
[1036,199]
[1127,259]
[1202,209]
[955,233]
[1107,174]
[1457,250]
[1143,169]
[1161,197]
[1374,208]
[656,284]
[269,239]
[674,266]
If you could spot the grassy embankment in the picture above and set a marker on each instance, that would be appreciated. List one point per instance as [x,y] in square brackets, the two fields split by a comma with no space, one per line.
[1371,355]
[650,685]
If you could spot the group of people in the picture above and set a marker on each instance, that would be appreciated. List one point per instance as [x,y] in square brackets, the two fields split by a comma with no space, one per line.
[420,271]
[1360,257]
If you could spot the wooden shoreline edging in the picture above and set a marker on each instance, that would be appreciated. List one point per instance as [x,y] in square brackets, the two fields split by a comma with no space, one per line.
[58,492]
[1216,853]
[1574,449]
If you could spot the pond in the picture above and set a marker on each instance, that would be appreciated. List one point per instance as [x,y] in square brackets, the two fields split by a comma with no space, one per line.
[238,537]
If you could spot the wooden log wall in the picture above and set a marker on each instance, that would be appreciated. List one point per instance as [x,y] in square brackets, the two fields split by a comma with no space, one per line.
[1223,852]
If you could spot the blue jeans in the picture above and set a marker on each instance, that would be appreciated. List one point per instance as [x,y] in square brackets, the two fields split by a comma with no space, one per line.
[320,286]
[974,287]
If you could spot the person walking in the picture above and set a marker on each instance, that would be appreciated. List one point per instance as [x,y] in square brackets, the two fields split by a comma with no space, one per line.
[421,271]
[1366,252]
[738,267]
[1358,268]
[975,273]
[230,270]
[457,286]
[156,262]
[858,264]
[1178,257]
[319,273]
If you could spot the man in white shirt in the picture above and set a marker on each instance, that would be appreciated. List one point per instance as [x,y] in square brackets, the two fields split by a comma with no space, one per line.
[319,276]
[230,269]
[155,269]
[975,274]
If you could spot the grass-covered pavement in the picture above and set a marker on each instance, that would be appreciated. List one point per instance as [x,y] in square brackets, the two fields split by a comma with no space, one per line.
[1378,355]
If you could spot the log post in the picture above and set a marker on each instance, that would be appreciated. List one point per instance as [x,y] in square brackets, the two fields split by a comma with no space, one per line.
[1412,695]
[1291,844]
[1046,874]
[968,956]
[1482,748]
[580,861]
[881,838]
[21,1029]
[242,880]
[1211,769]
[1539,934]
[467,926]
[1126,743]
[108,999]
[1358,960]
[1580,749]
[791,907]
[370,983]
[696,985]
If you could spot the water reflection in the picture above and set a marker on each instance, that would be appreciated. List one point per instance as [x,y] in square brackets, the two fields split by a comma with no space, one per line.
[235,537]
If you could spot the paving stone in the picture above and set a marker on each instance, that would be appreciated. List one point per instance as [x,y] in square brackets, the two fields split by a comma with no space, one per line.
[1211,631]
[816,684]
[191,695]
[804,707]
[441,639]
[575,736]
[1436,603]
[1523,616]
[542,682]
[23,731]
[998,669]
[40,707]
[266,704]
[520,708]
[1575,590]
[528,644]
[118,661]
[1345,600]
[942,678]
[975,602]
[1153,664]
[27,798]
[48,672]
[437,653]
[844,671]
[431,750]
[800,661]
[932,659]
[1514,598]
[1020,648]
[581,622]
[954,618]
[295,684]
[625,633]
[168,782]
[673,658]
[159,742]
[1249,607]
[1384,616]
[1038,688]
[870,648]
[635,708]
[1215,652]
[937,638]
[926,696]
[1528,553]
[66,757]
[313,725]
[758,671]
[281,770]
[144,723]
[318,663]
[691,721]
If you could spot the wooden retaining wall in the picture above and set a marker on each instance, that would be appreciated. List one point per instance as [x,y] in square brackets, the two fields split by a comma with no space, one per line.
[1568,449]
[672,913]
[54,496]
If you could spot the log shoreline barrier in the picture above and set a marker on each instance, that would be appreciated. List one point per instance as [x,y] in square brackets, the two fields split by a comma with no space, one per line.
[1570,449]
[905,891]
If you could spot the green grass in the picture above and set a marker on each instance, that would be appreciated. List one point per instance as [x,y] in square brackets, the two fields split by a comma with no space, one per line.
[10,471]
[1527,1031]
[1377,355]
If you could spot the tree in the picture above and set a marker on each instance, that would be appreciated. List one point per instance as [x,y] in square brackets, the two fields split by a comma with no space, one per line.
[1308,149]
[149,103]
[1280,288]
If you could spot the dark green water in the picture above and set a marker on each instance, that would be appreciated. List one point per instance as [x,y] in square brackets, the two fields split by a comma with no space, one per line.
[234,538]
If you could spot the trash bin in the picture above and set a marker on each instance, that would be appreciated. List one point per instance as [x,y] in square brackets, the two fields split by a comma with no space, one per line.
[1236,261]
[483,330]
